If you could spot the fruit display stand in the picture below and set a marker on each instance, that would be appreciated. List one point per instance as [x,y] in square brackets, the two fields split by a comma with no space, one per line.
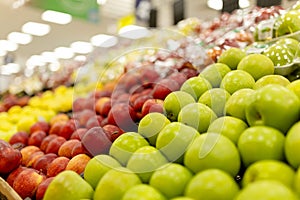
[161,105]
[7,192]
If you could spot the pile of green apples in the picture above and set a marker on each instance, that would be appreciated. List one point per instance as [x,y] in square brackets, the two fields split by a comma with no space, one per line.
[229,133]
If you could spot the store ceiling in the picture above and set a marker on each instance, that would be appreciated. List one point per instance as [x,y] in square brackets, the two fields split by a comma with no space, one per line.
[63,35]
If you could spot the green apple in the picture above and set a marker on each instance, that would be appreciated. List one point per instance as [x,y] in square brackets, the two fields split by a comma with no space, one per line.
[269,170]
[143,192]
[275,106]
[196,86]
[175,101]
[231,57]
[237,102]
[215,98]
[271,79]
[280,54]
[290,42]
[212,184]
[171,179]
[212,150]
[214,73]
[145,161]
[68,185]
[258,65]
[287,23]
[266,190]
[174,139]
[197,115]
[229,126]
[97,167]
[124,146]
[151,124]
[236,80]
[295,87]
[292,145]
[297,182]
[261,143]
[182,198]
[114,184]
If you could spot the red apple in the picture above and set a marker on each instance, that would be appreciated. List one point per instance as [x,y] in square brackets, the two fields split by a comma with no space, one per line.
[13,175]
[78,133]
[139,102]
[112,131]
[67,130]
[78,163]
[19,137]
[164,87]
[10,158]
[46,141]
[40,126]
[59,117]
[55,144]
[94,121]
[27,152]
[58,165]
[103,105]
[152,105]
[67,147]
[27,182]
[95,141]
[124,116]
[43,162]
[36,138]
[33,158]
[42,188]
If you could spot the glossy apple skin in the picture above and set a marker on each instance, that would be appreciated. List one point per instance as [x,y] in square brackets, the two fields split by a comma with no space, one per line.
[78,163]
[27,182]
[196,86]
[171,179]
[143,191]
[265,190]
[42,188]
[260,143]
[231,57]
[57,165]
[214,73]
[10,158]
[292,145]
[19,137]
[112,179]
[273,99]
[271,79]
[269,170]
[212,150]
[206,185]
[68,185]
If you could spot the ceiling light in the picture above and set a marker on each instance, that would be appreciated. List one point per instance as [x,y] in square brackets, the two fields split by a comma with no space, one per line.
[244,3]
[101,2]
[63,52]
[49,56]
[81,47]
[80,58]
[35,28]
[54,66]
[2,52]
[56,17]
[34,61]
[215,4]
[19,38]
[10,68]
[103,40]
[134,32]
[6,45]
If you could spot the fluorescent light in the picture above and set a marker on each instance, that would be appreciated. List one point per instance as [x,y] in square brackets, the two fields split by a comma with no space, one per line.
[215,4]
[2,52]
[19,38]
[101,2]
[63,52]
[10,68]
[103,40]
[134,32]
[6,45]
[49,56]
[35,28]
[244,3]
[54,66]
[81,47]
[34,61]
[80,58]
[56,17]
